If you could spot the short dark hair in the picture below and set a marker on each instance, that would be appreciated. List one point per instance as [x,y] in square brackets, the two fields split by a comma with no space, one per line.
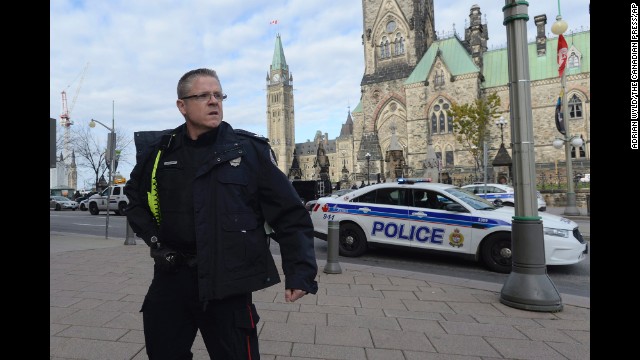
[184,84]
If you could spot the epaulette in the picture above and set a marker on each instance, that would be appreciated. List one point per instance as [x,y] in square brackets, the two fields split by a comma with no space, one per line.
[251,135]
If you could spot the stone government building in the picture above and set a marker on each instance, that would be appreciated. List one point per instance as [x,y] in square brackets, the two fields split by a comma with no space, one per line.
[411,78]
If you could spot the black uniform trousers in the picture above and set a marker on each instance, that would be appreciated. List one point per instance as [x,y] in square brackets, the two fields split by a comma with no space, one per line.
[172,315]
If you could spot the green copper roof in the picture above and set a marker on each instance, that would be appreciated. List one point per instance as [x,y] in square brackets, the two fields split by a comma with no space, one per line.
[278,62]
[496,67]
[454,55]
[358,108]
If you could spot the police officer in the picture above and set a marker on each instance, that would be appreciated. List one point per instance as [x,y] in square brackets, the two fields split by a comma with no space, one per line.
[203,196]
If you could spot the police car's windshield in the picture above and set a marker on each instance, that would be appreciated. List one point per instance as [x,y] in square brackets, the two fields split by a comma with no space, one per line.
[472,200]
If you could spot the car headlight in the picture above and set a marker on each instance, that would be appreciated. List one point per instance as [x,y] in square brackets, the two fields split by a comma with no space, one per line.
[556,232]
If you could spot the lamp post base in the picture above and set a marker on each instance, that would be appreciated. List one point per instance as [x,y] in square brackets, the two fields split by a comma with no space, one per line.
[528,286]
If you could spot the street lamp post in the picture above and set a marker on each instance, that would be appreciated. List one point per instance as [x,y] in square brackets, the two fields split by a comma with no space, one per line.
[558,28]
[528,286]
[368,157]
[110,158]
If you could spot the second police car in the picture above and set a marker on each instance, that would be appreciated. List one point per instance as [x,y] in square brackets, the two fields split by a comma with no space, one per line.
[505,193]
[438,217]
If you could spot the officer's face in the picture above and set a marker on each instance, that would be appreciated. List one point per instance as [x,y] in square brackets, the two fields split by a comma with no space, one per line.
[202,114]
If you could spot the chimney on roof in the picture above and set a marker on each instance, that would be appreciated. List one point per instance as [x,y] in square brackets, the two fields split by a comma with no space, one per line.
[541,38]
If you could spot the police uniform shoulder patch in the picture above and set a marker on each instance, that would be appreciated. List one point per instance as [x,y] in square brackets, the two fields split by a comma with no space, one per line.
[251,135]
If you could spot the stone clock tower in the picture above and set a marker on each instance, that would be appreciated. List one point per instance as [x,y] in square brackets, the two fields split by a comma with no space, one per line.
[280,114]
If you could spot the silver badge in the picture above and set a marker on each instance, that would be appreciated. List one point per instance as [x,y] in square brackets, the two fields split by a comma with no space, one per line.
[235,162]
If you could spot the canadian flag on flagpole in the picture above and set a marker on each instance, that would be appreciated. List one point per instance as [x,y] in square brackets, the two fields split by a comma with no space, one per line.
[562,54]
[273,22]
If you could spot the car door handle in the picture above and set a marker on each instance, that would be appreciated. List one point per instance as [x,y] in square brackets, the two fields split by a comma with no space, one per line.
[418,214]
[364,210]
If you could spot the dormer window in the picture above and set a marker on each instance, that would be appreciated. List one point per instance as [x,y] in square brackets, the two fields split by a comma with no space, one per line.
[438,80]
[574,60]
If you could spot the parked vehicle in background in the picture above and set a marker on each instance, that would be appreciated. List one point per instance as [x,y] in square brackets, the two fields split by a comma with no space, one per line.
[60,203]
[585,178]
[438,217]
[502,192]
[82,200]
[118,201]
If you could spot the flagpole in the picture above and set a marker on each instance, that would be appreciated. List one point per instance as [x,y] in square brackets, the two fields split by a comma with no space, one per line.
[559,27]
[571,208]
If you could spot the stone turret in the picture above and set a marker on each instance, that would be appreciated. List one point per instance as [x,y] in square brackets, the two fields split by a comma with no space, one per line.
[541,37]
[476,35]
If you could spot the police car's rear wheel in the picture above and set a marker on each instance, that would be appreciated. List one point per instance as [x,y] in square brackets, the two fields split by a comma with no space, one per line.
[352,240]
[496,253]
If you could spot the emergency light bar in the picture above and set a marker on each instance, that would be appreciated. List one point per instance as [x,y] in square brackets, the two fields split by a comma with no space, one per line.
[413,180]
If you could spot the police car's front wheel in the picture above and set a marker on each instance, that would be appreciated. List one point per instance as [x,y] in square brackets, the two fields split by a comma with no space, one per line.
[352,240]
[496,253]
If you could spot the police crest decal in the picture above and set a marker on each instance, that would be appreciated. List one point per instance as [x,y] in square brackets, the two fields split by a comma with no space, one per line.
[456,239]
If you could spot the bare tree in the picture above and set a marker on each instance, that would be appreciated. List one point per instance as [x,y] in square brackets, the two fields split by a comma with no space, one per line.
[90,150]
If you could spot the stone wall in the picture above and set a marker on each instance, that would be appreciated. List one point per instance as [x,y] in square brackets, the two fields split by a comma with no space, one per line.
[558,198]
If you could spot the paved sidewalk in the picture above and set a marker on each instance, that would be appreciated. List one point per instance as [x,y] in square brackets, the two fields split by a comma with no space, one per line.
[97,286]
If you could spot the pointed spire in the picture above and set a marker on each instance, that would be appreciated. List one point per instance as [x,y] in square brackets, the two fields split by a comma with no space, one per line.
[278,62]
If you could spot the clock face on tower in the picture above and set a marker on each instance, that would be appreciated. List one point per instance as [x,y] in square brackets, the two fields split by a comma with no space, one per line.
[276,78]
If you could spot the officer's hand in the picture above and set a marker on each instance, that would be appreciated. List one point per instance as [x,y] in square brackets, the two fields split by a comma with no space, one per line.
[164,257]
[291,295]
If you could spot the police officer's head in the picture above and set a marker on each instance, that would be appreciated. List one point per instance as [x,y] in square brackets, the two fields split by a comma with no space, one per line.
[200,99]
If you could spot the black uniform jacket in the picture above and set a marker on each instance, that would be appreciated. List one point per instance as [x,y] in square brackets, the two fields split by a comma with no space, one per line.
[236,189]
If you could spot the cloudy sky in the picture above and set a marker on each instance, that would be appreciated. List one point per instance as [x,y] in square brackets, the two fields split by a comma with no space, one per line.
[134,52]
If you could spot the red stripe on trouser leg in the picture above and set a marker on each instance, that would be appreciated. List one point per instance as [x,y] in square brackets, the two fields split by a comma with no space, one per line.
[253,325]
[248,348]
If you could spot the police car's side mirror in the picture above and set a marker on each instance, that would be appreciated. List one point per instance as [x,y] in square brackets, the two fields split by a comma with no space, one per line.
[497,202]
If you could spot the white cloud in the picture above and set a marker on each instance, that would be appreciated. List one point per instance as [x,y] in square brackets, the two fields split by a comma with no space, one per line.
[138,49]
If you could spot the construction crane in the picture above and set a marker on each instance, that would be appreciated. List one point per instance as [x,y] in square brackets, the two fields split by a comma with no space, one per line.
[65,118]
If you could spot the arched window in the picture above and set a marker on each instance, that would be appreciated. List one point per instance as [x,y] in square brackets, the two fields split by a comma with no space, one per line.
[581,149]
[434,124]
[449,119]
[382,47]
[575,107]
[441,122]
[387,52]
[448,155]
[398,45]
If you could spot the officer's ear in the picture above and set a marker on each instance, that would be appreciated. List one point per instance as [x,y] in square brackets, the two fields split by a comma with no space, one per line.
[180,104]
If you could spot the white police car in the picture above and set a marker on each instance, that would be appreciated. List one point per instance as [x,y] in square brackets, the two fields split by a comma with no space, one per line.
[505,193]
[437,217]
